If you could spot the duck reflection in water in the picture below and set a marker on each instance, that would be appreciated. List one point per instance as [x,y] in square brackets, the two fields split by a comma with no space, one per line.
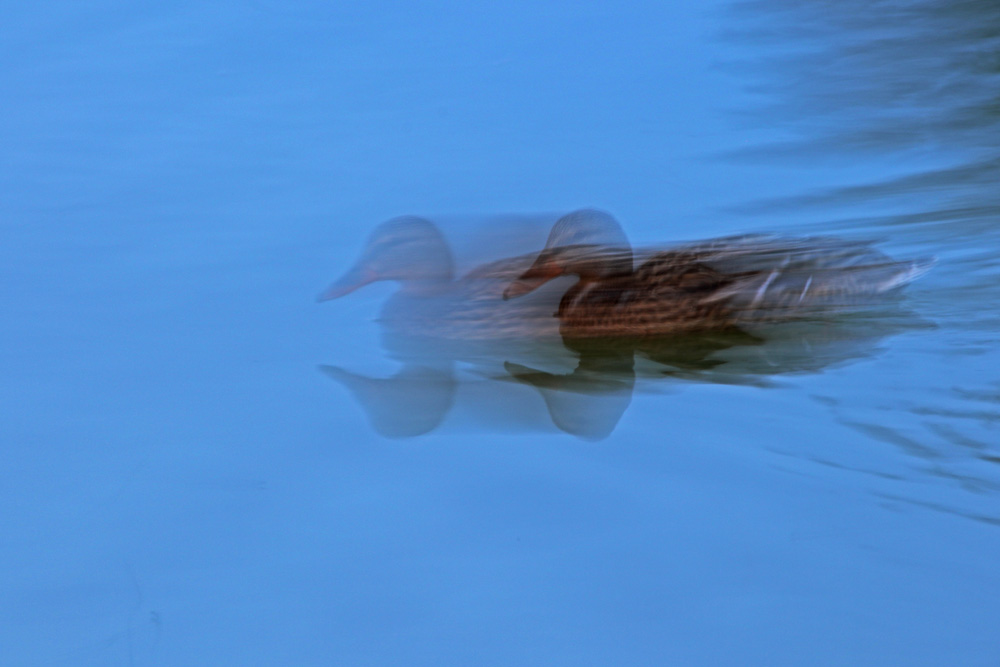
[798,304]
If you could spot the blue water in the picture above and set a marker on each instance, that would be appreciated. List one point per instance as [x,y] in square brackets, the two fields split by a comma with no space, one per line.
[182,486]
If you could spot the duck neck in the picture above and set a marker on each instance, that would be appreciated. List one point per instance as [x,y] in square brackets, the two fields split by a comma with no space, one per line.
[599,282]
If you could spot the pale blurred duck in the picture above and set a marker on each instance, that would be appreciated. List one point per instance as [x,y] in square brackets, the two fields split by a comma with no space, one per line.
[719,284]
[431,301]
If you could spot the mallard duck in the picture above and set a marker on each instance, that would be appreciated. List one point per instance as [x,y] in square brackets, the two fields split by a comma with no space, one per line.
[708,290]
[432,302]
[723,283]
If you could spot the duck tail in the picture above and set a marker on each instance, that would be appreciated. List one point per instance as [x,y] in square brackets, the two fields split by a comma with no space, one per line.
[907,272]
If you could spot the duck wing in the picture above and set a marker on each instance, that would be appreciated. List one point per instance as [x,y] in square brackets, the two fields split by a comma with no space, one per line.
[765,277]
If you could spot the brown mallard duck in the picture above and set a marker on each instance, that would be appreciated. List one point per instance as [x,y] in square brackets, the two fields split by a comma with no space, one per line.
[723,283]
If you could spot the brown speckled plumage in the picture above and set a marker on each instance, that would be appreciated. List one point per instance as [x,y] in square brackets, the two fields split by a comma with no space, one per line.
[665,295]
[714,285]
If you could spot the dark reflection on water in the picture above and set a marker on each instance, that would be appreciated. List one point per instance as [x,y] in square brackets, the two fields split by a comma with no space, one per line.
[854,75]
[872,82]
[906,98]
[587,321]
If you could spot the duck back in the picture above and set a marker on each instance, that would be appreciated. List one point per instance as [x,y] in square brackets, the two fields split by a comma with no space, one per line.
[732,282]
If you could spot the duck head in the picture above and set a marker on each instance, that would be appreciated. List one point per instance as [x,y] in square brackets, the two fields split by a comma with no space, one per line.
[407,249]
[587,243]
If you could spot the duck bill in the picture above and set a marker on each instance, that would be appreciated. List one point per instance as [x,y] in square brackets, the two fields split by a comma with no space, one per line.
[355,278]
[541,272]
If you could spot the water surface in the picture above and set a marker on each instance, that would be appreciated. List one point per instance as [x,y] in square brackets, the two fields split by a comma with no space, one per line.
[184,485]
